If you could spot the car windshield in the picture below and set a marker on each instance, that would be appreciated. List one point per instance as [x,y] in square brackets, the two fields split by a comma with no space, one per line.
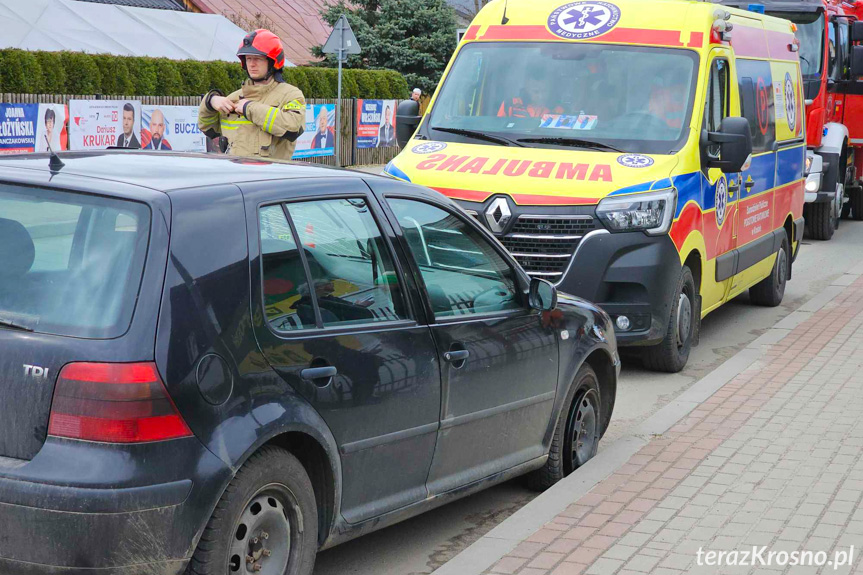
[630,98]
[70,264]
[810,32]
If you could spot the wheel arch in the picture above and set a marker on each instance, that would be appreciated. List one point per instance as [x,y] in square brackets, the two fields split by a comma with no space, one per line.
[603,365]
[321,471]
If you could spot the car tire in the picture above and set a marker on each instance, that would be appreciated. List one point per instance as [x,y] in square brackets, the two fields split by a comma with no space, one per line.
[672,353]
[769,291]
[267,513]
[822,220]
[577,433]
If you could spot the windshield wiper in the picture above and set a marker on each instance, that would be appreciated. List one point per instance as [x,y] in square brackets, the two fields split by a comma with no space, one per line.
[574,142]
[480,136]
[14,325]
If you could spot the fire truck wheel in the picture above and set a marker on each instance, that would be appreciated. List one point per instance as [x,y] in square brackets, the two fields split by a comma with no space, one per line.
[822,220]
[856,196]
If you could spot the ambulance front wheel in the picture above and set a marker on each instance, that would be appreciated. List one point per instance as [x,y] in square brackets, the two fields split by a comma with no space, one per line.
[672,353]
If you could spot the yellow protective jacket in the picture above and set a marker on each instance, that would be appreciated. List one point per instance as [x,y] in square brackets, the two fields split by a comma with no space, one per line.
[268,127]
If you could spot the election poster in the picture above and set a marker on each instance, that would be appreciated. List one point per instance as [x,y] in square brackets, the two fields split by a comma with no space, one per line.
[376,123]
[171,128]
[30,128]
[319,139]
[99,124]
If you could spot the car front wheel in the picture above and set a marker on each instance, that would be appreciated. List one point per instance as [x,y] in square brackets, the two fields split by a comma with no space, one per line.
[266,522]
[576,436]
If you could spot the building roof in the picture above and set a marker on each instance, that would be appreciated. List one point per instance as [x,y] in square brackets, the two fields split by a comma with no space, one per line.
[156,4]
[297,22]
[97,28]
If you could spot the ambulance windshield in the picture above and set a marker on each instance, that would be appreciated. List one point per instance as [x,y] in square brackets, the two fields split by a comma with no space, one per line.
[632,98]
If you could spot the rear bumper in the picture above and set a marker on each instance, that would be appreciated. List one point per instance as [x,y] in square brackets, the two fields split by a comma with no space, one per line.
[91,508]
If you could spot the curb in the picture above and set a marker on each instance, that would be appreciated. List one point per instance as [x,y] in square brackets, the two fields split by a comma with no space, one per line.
[498,542]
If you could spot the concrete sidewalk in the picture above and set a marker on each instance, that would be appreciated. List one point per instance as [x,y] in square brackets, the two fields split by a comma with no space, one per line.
[765,452]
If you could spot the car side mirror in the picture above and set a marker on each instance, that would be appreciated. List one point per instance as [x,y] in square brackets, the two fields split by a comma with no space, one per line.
[857,31]
[735,145]
[407,120]
[542,295]
[856,60]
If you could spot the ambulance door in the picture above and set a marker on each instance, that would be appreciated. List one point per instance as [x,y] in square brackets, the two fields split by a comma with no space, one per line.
[772,103]
[719,190]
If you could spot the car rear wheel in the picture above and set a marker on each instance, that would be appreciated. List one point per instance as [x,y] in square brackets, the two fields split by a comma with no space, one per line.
[576,436]
[265,523]
[672,354]
[770,291]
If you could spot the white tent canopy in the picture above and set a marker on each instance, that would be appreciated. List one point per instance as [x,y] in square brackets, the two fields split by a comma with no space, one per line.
[54,25]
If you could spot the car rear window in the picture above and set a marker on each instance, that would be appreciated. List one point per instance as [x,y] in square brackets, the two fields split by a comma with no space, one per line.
[70,264]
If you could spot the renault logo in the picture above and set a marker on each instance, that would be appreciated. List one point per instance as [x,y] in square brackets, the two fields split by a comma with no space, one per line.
[498,214]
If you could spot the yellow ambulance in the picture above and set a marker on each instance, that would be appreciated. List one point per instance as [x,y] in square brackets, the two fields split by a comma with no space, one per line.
[647,155]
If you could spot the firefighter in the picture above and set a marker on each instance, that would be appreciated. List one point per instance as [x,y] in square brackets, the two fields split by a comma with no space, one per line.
[266,115]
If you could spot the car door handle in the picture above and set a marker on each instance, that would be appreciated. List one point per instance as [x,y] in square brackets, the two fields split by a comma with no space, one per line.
[317,373]
[749,184]
[456,355]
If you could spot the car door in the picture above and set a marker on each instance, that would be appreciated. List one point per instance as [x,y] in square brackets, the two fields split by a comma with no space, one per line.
[338,323]
[499,363]
[721,191]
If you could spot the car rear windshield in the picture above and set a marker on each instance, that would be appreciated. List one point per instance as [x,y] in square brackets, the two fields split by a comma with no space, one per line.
[70,264]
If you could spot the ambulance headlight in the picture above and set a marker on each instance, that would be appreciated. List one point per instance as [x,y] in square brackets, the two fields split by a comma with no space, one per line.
[650,212]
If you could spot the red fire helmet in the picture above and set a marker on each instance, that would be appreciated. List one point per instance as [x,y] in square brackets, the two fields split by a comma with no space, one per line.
[262,43]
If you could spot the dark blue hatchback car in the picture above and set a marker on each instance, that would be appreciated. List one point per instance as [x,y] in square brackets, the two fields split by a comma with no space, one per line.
[214,365]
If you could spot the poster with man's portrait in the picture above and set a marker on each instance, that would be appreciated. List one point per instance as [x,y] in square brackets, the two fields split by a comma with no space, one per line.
[376,123]
[174,128]
[319,139]
[99,124]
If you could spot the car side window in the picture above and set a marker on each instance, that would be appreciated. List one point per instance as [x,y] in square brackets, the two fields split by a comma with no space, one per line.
[716,107]
[287,299]
[463,273]
[350,264]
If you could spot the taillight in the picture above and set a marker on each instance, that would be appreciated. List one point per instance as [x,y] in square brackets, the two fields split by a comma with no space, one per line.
[114,403]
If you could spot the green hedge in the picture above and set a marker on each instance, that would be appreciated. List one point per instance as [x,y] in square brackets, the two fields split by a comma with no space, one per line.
[24,72]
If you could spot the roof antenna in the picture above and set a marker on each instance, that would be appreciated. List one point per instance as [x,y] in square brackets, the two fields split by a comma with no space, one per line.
[55,164]
[504,20]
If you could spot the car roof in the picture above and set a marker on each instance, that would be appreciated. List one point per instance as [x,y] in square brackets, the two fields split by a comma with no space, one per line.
[167,171]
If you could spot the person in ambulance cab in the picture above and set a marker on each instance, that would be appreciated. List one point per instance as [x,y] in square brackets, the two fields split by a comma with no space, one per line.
[266,115]
[533,104]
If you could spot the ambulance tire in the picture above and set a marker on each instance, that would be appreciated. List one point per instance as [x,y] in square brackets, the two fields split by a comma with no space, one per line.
[822,220]
[769,291]
[672,354]
[856,196]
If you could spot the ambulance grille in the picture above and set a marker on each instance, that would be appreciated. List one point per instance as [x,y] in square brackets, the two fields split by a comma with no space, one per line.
[543,245]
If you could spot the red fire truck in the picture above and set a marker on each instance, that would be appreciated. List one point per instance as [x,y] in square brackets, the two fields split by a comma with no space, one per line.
[826,32]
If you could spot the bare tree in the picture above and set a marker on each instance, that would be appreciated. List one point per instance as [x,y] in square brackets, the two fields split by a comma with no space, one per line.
[478,5]
[250,22]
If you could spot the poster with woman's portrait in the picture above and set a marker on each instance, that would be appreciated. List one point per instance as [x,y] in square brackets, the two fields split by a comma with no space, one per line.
[51,127]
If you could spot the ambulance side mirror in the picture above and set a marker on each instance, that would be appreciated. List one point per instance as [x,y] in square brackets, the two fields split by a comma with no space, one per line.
[857,31]
[735,145]
[856,60]
[407,120]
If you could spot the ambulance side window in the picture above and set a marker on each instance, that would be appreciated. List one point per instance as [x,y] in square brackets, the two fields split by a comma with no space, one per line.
[716,107]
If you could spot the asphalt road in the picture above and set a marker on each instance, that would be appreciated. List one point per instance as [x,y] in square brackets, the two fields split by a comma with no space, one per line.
[420,545]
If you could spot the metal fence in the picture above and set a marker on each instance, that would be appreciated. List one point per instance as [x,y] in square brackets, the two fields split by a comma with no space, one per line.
[350,155]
